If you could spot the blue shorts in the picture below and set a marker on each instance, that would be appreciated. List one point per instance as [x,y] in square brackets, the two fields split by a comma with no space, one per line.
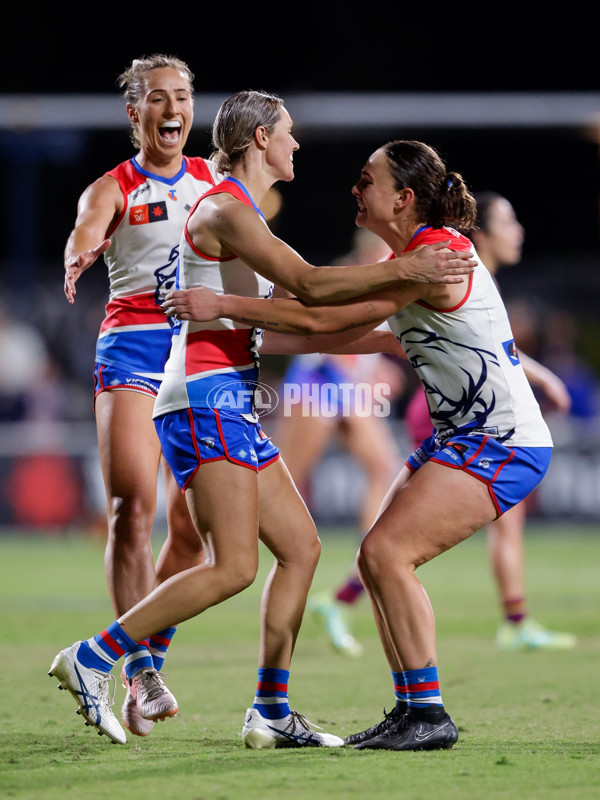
[108,378]
[195,436]
[511,473]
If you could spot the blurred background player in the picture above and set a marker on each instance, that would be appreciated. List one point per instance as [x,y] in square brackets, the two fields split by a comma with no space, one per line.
[134,215]
[498,239]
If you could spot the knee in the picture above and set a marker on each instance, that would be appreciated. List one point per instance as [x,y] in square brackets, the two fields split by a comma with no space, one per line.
[130,519]
[306,556]
[240,574]
[313,553]
[183,538]
[376,559]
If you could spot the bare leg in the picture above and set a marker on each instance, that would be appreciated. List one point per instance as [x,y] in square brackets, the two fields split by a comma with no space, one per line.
[223,501]
[507,556]
[433,511]
[129,454]
[183,546]
[302,441]
[506,548]
[287,529]
[369,442]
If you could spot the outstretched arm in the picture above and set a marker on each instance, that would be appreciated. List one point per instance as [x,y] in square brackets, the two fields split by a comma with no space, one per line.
[349,343]
[289,315]
[221,226]
[98,206]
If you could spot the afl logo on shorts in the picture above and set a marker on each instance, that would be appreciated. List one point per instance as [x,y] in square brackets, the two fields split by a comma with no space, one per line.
[235,398]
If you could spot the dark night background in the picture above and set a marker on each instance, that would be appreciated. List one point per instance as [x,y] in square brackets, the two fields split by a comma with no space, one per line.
[70,58]
[549,172]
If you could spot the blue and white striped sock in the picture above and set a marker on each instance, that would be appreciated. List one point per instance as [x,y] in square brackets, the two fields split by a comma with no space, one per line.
[271,699]
[423,688]
[159,643]
[138,658]
[104,650]
[400,691]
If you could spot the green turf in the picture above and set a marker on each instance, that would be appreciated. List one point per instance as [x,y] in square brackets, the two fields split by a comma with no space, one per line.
[528,722]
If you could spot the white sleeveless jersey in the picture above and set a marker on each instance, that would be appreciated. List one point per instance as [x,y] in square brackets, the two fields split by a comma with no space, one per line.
[142,259]
[209,355]
[467,360]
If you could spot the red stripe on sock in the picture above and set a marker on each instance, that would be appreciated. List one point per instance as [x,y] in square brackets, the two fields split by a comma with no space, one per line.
[160,640]
[272,687]
[112,644]
[423,687]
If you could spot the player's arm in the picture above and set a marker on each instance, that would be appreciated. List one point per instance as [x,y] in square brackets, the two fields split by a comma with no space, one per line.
[353,342]
[290,316]
[99,205]
[222,225]
[550,384]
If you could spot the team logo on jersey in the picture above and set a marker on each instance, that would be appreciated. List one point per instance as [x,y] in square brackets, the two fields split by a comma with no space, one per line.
[150,212]
[511,351]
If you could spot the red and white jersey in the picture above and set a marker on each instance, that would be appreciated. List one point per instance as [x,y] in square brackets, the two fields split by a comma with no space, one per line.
[467,360]
[207,355]
[142,261]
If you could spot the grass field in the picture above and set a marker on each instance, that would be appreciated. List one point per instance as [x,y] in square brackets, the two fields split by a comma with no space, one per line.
[528,722]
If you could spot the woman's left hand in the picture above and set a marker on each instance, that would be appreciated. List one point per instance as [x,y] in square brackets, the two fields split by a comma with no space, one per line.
[198,304]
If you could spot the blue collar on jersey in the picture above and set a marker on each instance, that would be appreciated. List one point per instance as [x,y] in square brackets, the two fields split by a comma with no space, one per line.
[247,193]
[161,178]
[417,232]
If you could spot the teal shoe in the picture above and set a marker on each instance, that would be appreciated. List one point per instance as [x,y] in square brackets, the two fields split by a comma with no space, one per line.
[530,635]
[336,627]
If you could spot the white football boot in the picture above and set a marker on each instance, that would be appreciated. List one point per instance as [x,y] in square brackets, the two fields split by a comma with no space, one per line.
[90,688]
[294,730]
[154,700]
[130,713]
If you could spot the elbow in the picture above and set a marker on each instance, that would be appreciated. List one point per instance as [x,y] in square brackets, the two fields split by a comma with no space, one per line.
[308,289]
[318,322]
[310,322]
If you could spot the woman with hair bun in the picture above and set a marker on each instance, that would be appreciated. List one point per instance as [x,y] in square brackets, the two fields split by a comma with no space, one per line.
[498,237]
[490,446]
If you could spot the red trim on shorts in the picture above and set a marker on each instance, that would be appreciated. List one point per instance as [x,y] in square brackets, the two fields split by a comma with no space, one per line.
[224,443]
[268,463]
[484,441]
[464,468]
[195,443]
[460,466]
[123,387]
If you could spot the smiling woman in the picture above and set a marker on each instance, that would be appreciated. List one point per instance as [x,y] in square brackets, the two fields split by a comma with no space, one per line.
[160,105]
[134,215]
